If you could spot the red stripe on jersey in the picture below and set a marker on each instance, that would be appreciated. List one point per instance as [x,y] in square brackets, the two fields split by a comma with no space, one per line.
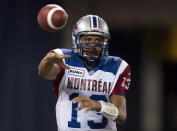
[123,82]
[57,81]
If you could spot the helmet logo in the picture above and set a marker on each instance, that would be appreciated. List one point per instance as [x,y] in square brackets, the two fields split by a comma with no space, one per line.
[94,23]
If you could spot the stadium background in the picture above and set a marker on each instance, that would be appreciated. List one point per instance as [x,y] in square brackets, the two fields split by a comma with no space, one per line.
[144,33]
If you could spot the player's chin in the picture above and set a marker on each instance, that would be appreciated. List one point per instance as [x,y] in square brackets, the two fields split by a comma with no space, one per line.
[91,54]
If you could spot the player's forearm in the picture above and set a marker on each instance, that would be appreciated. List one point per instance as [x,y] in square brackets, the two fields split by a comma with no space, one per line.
[46,69]
[120,103]
[121,117]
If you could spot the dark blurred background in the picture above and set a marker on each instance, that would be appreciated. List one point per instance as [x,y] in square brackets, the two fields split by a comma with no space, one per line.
[144,33]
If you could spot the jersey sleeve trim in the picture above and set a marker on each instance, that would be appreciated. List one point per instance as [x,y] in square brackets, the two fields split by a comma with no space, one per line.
[121,68]
[123,83]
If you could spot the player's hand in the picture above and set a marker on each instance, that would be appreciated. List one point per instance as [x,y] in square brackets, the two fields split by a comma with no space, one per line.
[57,59]
[87,103]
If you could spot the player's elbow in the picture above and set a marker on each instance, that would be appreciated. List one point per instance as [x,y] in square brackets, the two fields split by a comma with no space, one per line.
[45,75]
[121,119]
[41,73]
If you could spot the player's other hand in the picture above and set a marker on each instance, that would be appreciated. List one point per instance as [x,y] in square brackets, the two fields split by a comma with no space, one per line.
[57,59]
[87,103]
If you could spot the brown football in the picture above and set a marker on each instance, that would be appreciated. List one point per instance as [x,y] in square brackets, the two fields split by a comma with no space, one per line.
[52,17]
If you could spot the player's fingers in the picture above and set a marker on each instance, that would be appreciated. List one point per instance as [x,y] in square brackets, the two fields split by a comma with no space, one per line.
[89,108]
[76,99]
[82,106]
[64,66]
[66,56]
[79,99]
[59,56]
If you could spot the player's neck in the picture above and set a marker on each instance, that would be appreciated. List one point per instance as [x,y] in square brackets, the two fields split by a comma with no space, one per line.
[90,64]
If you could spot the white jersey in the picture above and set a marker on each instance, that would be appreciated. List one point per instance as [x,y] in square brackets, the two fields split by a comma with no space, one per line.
[97,84]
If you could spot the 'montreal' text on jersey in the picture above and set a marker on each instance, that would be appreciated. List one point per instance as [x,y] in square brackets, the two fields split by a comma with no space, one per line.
[89,85]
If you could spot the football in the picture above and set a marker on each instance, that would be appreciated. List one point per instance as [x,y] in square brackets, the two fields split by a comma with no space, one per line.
[52,17]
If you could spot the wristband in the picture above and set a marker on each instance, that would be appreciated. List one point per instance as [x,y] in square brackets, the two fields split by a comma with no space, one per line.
[109,110]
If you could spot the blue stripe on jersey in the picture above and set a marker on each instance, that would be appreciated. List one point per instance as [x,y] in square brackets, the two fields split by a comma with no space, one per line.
[109,64]
[95,24]
[112,64]
[74,60]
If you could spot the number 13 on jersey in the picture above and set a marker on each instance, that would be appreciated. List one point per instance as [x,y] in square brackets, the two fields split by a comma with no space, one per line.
[74,114]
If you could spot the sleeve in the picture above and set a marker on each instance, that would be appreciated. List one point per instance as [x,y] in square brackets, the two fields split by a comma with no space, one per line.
[123,82]
[56,82]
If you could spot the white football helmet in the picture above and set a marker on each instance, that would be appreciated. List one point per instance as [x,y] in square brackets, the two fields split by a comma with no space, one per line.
[90,25]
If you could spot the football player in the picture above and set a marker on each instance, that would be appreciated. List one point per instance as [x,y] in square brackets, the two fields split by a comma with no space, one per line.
[90,85]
